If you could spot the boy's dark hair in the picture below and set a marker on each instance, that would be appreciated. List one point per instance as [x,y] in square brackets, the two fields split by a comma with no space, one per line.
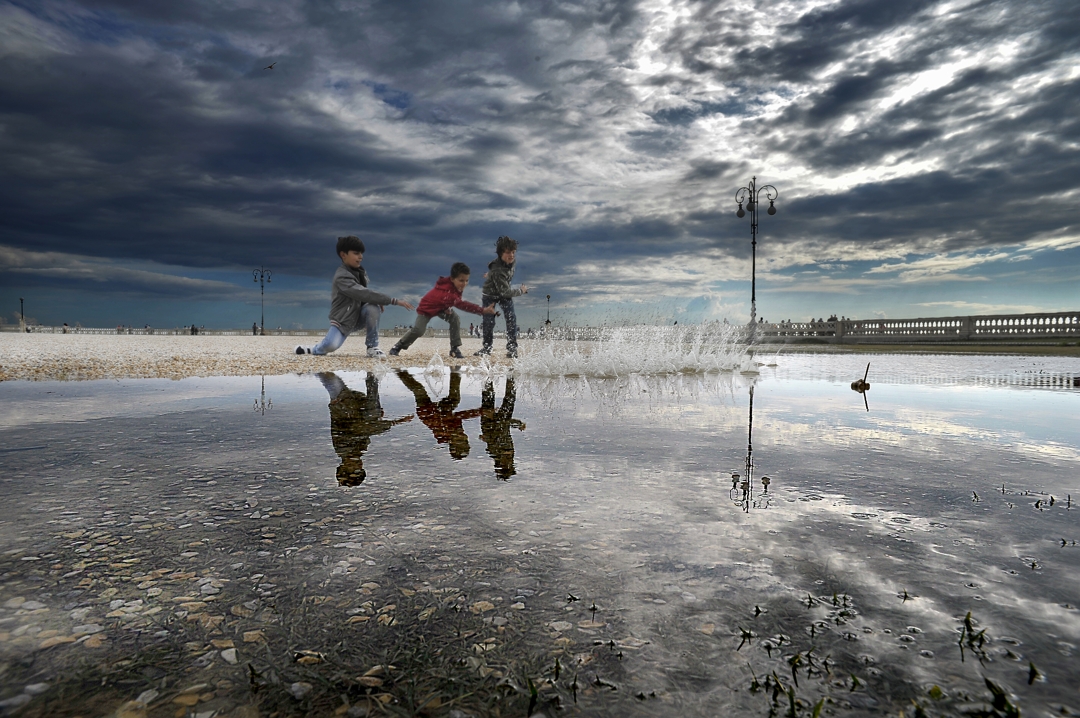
[349,244]
[504,244]
[458,269]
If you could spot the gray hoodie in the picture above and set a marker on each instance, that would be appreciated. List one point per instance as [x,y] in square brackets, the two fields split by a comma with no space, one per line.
[348,293]
[500,275]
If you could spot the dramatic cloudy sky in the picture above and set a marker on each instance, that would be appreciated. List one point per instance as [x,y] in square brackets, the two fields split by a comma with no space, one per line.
[926,154]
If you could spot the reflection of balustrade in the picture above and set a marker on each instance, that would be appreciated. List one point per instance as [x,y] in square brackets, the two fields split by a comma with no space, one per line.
[1016,381]
[1049,325]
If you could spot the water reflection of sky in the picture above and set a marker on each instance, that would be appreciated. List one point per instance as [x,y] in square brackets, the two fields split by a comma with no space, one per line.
[628,482]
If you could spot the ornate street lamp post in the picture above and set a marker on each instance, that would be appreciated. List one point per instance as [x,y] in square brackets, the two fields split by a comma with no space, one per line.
[262,276]
[547,322]
[751,196]
[22,314]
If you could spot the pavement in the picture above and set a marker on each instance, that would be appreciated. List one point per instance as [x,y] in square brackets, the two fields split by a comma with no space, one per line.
[51,357]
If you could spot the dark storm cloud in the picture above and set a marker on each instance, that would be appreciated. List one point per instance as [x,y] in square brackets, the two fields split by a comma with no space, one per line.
[49,269]
[606,133]
[998,161]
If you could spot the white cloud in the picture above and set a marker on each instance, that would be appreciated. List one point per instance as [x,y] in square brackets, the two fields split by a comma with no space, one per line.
[938,267]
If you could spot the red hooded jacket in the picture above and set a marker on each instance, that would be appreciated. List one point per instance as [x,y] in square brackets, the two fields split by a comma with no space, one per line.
[444,296]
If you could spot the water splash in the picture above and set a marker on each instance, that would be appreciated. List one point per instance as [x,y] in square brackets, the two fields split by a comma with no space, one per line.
[645,350]
[435,365]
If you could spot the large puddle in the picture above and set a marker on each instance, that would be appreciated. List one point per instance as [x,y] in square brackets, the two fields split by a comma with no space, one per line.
[440,541]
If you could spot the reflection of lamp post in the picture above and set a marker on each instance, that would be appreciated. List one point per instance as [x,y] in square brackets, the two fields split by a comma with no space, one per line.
[750,195]
[750,440]
[260,274]
[262,403]
[547,322]
[742,492]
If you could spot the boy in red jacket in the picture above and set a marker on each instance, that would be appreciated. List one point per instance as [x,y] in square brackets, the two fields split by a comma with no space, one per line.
[440,302]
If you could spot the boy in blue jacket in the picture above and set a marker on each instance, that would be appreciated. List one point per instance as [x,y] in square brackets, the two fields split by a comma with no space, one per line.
[352,304]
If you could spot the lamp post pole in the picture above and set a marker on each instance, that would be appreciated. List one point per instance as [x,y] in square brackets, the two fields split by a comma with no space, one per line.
[750,195]
[262,276]
[22,313]
[547,322]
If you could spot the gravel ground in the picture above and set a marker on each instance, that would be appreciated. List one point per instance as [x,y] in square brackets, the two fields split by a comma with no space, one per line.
[46,357]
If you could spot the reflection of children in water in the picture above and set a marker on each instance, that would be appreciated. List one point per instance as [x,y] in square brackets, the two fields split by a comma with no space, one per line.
[495,428]
[354,419]
[440,417]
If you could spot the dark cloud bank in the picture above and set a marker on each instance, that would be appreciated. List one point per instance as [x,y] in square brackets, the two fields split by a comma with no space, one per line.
[145,140]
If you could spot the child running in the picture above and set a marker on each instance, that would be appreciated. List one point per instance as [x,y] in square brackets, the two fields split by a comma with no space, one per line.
[352,304]
[440,302]
[497,288]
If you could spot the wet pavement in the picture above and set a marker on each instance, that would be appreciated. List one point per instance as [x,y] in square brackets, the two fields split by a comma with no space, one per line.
[463,543]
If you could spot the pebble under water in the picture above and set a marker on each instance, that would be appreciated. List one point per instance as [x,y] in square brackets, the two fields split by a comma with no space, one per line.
[449,543]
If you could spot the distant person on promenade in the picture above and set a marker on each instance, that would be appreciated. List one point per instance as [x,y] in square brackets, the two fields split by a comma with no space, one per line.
[352,304]
[498,288]
[440,302]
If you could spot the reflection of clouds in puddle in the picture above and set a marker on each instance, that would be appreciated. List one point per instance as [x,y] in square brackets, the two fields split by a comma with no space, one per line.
[621,493]
[948,425]
[891,425]
[27,403]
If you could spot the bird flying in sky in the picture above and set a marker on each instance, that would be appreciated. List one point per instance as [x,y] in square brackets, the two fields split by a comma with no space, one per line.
[270,66]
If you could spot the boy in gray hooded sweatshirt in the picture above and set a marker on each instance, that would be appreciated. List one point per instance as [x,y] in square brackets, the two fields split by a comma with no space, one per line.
[352,304]
[498,289]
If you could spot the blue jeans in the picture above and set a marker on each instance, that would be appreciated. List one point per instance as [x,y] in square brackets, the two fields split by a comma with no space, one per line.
[369,319]
[507,306]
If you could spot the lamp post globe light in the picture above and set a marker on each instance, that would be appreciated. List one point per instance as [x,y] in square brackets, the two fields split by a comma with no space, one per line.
[262,276]
[751,197]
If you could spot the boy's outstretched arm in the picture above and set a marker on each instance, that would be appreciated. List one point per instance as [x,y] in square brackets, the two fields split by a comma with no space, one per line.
[348,286]
[474,308]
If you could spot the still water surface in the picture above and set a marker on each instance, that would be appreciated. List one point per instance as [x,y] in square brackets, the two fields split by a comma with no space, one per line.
[617,512]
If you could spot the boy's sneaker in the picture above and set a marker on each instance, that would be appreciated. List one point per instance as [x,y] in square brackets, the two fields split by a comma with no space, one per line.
[303,350]
[394,350]
[511,353]
[456,353]
[375,352]
[484,351]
